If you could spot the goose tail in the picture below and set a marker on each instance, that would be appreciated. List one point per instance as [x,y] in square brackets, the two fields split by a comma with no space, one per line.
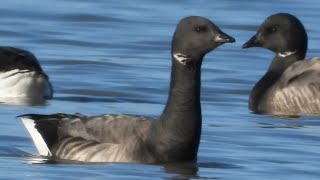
[39,139]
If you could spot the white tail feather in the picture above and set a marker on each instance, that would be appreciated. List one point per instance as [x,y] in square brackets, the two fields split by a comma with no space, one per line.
[36,137]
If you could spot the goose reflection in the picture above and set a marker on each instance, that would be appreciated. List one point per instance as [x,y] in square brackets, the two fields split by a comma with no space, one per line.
[22,101]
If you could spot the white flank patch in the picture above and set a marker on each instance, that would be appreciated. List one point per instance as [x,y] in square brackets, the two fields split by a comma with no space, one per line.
[285,54]
[36,137]
[23,83]
[181,58]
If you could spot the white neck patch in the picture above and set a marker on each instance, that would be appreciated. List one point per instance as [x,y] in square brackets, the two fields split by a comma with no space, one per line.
[285,54]
[181,58]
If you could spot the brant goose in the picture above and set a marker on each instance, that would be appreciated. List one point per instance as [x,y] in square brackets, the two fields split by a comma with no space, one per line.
[173,137]
[291,85]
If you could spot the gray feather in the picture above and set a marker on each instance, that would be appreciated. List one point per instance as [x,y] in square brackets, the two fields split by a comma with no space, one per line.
[297,91]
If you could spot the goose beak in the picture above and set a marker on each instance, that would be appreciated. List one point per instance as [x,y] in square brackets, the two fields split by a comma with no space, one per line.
[253,42]
[224,38]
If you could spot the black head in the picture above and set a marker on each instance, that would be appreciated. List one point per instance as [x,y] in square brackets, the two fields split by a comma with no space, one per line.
[14,58]
[280,33]
[195,36]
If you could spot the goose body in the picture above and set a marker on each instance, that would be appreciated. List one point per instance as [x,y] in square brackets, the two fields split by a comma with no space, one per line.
[103,138]
[174,136]
[297,92]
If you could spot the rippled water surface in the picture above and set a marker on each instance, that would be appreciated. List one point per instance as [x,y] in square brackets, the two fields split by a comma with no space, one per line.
[114,56]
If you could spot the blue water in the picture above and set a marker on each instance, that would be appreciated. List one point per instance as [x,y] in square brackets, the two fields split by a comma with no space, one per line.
[114,56]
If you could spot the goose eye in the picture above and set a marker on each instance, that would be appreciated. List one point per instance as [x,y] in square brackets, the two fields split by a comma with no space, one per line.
[200,29]
[272,29]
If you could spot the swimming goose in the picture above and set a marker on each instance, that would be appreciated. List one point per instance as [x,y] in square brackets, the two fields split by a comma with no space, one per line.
[291,85]
[174,136]
[21,76]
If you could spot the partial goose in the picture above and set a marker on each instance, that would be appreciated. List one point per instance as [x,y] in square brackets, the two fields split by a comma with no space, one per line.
[291,85]
[21,76]
[174,136]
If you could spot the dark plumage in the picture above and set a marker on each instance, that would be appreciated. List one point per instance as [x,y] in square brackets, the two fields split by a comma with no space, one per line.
[174,136]
[14,58]
[291,84]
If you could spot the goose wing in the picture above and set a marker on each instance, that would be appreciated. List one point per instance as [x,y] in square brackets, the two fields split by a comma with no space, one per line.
[110,128]
[298,89]
[103,138]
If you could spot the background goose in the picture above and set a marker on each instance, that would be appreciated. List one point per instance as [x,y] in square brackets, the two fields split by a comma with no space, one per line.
[21,76]
[174,136]
[291,85]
